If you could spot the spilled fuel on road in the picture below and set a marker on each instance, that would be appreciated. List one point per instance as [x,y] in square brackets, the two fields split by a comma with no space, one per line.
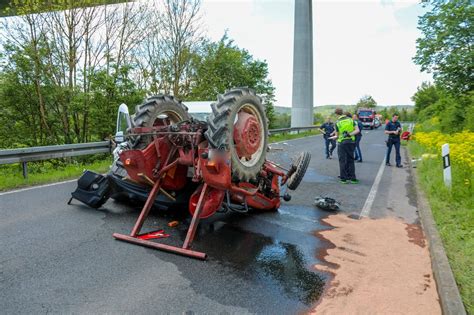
[260,262]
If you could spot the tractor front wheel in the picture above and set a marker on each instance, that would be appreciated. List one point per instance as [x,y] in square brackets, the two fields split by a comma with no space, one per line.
[154,111]
[297,170]
[157,110]
[238,124]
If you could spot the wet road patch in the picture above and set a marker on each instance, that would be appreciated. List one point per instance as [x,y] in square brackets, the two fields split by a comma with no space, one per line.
[262,262]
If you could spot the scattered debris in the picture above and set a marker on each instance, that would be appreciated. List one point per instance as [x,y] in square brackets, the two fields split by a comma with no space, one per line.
[173,224]
[272,148]
[414,162]
[326,203]
[424,156]
[153,235]
[428,156]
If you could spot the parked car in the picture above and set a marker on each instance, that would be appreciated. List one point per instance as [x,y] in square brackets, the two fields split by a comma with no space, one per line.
[367,117]
[377,123]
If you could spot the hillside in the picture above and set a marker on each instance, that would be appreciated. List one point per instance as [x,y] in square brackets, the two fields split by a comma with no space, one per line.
[328,109]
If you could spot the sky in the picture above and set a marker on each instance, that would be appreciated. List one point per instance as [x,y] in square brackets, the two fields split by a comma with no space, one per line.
[359,47]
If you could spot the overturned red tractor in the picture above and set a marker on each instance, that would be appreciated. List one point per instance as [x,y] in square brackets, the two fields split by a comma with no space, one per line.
[170,160]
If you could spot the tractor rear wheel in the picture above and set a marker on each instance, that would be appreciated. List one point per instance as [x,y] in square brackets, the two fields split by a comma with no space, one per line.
[238,124]
[154,111]
[157,110]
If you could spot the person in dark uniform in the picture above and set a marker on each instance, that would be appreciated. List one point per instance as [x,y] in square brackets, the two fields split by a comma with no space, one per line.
[357,151]
[346,129]
[328,129]
[393,130]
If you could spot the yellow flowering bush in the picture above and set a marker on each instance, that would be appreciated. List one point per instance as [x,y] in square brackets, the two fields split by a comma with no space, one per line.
[461,145]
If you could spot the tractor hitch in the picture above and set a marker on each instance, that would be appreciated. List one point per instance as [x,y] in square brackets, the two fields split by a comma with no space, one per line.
[137,239]
[185,250]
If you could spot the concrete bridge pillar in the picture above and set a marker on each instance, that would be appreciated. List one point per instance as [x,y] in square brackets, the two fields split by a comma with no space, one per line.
[302,98]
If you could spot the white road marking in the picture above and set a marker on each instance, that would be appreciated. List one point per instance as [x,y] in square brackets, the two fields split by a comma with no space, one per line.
[373,192]
[35,187]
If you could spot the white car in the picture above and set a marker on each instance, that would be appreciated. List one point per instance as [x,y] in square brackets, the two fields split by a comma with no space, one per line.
[377,123]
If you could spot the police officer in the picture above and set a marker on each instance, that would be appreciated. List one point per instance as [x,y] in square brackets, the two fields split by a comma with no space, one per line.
[358,137]
[346,129]
[393,130]
[328,129]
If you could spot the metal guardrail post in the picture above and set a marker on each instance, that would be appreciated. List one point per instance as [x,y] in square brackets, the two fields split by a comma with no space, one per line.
[24,166]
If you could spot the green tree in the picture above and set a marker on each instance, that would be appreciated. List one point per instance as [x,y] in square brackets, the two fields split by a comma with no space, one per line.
[67,65]
[427,94]
[318,118]
[452,113]
[384,114]
[109,91]
[366,101]
[446,48]
[455,112]
[282,121]
[222,65]
[469,116]
[403,114]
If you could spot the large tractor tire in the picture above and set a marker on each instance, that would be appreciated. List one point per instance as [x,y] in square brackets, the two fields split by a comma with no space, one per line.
[238,124]
[148,115]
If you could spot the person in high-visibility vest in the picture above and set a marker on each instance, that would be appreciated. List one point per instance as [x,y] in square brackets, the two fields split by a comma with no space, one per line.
[346,129]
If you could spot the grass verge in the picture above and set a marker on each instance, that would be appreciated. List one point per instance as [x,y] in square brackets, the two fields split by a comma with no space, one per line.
[290,136]
[42,173]
[454,215]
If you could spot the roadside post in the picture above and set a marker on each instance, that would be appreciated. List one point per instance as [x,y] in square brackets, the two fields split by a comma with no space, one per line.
[24,167]
[446,165]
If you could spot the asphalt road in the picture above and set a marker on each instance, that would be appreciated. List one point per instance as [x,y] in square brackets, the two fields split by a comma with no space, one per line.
[56,258]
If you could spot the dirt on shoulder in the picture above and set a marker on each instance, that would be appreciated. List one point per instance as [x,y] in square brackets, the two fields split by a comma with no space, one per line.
[379,266]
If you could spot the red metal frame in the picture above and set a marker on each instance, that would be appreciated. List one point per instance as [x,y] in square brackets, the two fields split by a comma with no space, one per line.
[134,236]
[185,249]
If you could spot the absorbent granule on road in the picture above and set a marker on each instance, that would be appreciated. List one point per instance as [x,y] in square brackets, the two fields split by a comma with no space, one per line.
[382,267]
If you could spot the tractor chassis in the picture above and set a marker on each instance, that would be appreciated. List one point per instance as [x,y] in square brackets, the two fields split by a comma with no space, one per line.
[134,236]
[173,150]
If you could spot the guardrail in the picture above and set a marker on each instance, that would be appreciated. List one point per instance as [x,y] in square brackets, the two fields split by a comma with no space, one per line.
[25,155]
[294,129]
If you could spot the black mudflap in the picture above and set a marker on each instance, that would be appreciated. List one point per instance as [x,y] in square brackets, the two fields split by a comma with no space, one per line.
[92,189]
